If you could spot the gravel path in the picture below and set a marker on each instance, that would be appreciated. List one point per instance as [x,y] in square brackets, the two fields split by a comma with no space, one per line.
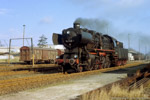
[70,89]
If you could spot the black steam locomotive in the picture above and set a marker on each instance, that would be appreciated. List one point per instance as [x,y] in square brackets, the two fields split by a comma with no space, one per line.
[89,50]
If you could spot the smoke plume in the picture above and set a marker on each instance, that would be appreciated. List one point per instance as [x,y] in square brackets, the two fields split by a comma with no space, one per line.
[94,24]
[105,27]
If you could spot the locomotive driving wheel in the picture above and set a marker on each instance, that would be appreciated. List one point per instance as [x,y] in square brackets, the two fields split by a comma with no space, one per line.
[108,63]
[79,68]
[88,67]
[97,64]
[105,62]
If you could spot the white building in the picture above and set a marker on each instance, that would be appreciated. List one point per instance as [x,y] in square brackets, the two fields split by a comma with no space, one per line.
[13,49]
[55,46]
[4,52]
[6,56]
[130,56]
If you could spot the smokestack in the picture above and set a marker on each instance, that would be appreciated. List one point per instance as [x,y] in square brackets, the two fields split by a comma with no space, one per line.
[76,25]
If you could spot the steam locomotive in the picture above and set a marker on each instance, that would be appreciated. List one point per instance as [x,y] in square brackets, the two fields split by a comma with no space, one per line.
[89,50]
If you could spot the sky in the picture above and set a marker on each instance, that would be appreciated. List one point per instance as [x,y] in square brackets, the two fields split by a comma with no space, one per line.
[52,16]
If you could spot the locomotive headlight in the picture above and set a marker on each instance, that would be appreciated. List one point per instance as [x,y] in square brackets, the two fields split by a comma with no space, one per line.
[75,56]
[68,32]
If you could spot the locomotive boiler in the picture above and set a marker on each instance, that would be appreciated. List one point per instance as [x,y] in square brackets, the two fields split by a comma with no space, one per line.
[89,50]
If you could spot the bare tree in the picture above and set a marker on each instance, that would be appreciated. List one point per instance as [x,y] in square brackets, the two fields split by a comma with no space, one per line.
[1,44]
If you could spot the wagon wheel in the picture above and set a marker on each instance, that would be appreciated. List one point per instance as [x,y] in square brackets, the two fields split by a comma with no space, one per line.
[60,69]
[35,62]
[28,62]
[52,61]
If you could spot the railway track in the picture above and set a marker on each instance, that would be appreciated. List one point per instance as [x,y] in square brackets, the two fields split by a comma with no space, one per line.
[18,67]
[141,78]
[10,73]
[19,84]
[139,83]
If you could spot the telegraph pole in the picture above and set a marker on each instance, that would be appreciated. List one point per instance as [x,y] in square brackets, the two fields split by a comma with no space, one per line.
[139,49]
[128,41]
[145,53]
[128,44]
[107,28]
[23,33]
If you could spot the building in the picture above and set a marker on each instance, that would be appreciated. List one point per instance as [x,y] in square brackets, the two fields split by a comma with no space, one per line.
[130,56]
[137,55]
[6,49]
[4,52]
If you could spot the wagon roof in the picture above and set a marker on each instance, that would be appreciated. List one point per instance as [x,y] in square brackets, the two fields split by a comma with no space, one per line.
[44,48]
[39,48]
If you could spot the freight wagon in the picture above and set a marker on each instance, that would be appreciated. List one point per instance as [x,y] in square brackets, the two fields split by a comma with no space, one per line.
[46,55]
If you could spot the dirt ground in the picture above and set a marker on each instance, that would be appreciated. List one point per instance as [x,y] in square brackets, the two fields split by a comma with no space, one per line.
[70,89]
[66,90]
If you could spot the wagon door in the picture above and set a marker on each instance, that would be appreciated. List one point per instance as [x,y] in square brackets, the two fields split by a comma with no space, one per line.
[38,54]
[45,55]
[25,54]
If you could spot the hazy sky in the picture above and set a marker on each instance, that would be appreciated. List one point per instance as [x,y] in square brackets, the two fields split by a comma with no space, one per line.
[48,16]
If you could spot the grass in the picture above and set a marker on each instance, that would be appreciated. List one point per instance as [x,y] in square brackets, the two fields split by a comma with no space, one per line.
[24,83]
[116,93]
